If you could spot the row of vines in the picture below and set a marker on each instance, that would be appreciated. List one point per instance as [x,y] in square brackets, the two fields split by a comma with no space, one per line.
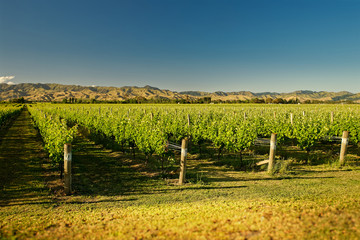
[231,127]
[54,132]
[8,111]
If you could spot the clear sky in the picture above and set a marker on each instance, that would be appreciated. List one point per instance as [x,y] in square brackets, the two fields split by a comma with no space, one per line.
[224,45]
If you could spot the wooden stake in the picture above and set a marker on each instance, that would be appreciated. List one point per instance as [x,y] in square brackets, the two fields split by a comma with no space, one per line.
[332,117]
[291,119]
[188,118]
[272,152]
[182,176]
[344,144]
[67,168]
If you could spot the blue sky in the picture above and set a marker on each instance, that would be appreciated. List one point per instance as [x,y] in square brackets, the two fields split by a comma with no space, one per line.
[181,45]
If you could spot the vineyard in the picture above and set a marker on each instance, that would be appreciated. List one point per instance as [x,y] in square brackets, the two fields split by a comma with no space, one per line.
[228,128]
[126,161]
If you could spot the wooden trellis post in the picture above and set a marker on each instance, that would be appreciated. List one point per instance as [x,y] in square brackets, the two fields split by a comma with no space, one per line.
[271,160]
[67,168]
[184,146]
[272,152]
[344,144]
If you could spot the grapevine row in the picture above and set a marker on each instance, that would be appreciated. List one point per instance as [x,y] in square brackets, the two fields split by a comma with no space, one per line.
[7,112]
[54,132]
[149,127]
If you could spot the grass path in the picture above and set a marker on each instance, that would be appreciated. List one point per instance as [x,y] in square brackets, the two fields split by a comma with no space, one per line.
[23,163]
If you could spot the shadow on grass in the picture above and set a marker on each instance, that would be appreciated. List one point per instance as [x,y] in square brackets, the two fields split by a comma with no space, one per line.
[185,188]
[262,179]
[58,203]
[22,162]
[96,172]
[99,171]
[305,171]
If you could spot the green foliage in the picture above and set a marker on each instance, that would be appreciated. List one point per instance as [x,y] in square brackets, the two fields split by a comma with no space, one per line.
[308,131]
[54,132]
[227,127]
[8,111]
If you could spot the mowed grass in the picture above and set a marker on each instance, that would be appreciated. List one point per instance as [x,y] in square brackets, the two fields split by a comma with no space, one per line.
[313,203]
[116,197]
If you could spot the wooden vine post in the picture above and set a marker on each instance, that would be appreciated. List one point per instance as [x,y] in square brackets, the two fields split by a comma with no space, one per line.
[344,144]
[272,152]
[184,146]
[67,168]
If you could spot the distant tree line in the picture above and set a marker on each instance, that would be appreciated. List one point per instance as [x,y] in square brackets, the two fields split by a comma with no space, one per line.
[187,100]
[139,100]
[19,100]
[264,100]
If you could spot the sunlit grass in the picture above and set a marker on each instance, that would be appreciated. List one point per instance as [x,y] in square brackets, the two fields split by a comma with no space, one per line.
[318,202]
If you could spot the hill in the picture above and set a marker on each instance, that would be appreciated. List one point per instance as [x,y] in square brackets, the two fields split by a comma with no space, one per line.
[300,95]
[58,92]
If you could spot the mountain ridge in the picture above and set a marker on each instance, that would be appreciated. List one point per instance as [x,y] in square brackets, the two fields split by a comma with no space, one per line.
[58,92]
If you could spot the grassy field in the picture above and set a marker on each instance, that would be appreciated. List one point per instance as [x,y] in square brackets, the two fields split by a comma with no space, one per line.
[116,197]
[316,203]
